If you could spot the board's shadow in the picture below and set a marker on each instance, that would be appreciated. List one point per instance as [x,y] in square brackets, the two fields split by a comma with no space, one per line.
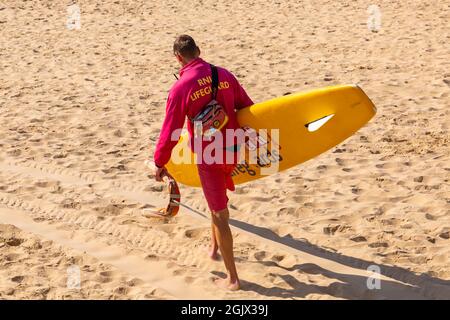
[413,286]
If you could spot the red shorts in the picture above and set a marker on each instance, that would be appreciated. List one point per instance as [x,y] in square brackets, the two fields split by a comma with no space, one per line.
[216,179]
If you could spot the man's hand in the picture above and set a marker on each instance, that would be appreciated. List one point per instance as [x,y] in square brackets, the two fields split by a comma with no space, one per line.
[160,173]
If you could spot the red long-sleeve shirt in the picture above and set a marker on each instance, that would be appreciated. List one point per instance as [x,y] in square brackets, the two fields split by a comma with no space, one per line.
[189,95]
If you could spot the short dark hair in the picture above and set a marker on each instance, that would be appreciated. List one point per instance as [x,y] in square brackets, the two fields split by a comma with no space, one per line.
[185,46]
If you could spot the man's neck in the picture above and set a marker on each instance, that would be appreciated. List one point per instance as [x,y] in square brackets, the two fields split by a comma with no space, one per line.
[186,62]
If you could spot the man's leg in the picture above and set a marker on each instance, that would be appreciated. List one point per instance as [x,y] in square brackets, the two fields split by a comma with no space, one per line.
[214,185]
[214,244]
[224,238]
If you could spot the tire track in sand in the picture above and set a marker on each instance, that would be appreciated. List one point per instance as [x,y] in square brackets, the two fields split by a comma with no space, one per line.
[153,272]
[133,192]
[154,242]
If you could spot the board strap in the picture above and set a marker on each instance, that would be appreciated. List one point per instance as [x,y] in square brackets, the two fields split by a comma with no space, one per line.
[214,81]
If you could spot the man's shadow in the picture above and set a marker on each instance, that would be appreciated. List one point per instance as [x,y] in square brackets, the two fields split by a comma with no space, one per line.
[350,286]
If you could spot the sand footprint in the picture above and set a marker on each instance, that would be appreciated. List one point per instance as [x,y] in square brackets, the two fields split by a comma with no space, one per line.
[379,244]
[260,255]
[340,162]
[179,272]
[106,276]
[196,233]
[17,279]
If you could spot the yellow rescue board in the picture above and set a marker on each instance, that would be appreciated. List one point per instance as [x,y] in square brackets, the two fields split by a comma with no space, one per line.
[340,110]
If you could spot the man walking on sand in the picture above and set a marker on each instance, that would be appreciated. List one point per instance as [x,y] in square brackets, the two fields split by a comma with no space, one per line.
[187,98]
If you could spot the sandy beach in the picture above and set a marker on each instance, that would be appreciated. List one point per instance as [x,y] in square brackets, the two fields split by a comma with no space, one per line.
[81,109]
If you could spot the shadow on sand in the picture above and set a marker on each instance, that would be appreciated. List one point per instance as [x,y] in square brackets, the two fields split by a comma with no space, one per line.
[350,286]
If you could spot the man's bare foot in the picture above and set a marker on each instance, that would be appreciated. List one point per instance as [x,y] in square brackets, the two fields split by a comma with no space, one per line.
[226,284]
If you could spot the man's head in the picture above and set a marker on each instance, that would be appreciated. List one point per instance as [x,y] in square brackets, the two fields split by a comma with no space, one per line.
[185,49]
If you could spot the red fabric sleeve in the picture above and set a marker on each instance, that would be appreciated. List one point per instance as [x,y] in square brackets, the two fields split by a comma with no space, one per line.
[175,117]
[242,99]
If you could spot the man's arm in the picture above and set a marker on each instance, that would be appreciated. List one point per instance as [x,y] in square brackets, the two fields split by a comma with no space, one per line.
[241,100]
[174,120]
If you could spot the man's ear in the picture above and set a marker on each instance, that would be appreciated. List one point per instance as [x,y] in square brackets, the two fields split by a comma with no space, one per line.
[199,52]
[179,58]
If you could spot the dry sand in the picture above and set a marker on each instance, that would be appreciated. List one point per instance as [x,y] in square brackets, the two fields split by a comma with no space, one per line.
[80,110]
